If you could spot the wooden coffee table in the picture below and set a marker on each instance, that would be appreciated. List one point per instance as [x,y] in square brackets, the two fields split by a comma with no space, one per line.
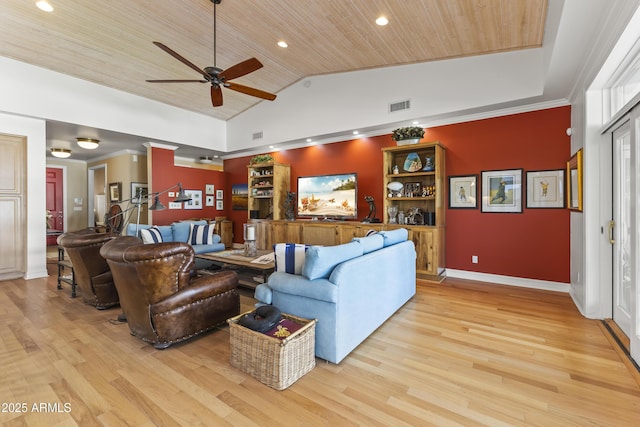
[244,265]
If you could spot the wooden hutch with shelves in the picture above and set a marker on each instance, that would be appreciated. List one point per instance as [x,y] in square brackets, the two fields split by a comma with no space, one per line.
[268,186]
[417,194]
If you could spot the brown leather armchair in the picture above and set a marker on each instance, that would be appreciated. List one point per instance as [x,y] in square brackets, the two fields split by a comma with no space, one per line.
[91,270]
[164,300]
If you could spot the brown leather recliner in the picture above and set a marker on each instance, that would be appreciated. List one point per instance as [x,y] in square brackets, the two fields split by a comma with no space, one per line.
[163,299]
[91,270]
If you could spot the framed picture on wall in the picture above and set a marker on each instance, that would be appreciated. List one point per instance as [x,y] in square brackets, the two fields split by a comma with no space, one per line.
[463,192]
[545,189]
[219,205]
[502,191]
[115,192]
[196,199]
[209,189]
[220,194]
[574,182]
[139,192]
[209,201]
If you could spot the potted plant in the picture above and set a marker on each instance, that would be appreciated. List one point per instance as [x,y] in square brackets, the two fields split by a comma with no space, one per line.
[407,135]
[261,158]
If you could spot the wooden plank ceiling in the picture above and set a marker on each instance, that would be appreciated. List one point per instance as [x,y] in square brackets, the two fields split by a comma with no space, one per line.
[110,42]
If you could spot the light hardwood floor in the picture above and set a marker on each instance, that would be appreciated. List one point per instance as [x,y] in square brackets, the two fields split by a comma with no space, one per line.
[459,353]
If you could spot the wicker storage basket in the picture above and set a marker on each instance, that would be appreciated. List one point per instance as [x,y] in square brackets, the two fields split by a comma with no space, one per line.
[274,362]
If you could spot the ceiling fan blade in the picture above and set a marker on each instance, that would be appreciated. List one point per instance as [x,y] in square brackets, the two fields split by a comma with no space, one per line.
[216,95]
[250,91]
[240,69]
[177,81]
[182,59]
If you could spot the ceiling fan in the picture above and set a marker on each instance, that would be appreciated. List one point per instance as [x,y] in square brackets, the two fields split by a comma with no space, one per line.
[218,77]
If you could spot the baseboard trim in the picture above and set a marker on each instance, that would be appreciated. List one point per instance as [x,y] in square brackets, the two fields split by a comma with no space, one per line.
[509,280]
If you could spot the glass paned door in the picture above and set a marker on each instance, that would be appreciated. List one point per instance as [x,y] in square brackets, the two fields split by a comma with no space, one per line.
[621,228]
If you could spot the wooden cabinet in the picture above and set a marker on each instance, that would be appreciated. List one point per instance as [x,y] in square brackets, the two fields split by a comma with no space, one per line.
[268,186]
[429,241]
[417,177]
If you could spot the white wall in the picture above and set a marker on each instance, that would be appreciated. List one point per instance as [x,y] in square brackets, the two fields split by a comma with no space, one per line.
[36,92]
[327,104]
[34,130]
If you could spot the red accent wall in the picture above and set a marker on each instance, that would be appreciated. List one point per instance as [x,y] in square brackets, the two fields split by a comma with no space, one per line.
[166,174]
[533,244]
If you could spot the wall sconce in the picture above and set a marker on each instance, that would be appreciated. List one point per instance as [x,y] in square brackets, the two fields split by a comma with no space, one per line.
[206,160]
[88,143]
[61,153]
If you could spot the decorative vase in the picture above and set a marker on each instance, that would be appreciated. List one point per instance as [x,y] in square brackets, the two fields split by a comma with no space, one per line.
[392,211]
[409,141]
[428,164]
[412,163]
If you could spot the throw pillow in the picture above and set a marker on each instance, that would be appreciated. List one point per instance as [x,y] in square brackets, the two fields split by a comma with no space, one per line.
[151,235]
[321,260]
[201,234]
[392,237]
[290,257]
[370,243]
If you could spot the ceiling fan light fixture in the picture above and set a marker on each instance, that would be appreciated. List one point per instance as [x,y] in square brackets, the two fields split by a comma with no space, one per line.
[61,153]
[88,143]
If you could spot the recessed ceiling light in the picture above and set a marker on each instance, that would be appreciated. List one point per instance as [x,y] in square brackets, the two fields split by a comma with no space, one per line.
[355,132]
[44,5]
[415,122]
[382,21]
[283,43]
[309,140]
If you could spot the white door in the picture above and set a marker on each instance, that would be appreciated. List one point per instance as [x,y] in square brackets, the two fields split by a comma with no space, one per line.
[621,228]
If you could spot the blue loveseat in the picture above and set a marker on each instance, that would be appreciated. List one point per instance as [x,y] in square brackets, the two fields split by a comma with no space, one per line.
[179,232]
[351,289]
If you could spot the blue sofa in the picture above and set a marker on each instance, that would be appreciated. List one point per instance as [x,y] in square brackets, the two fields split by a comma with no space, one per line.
[179,232]
[351,289]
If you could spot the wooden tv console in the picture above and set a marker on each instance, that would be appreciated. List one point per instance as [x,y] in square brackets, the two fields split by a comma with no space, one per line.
[429,240]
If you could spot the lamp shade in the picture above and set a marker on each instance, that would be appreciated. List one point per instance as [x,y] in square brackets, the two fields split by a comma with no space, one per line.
[182,196]
[157,204]
[61,153]
[88,143]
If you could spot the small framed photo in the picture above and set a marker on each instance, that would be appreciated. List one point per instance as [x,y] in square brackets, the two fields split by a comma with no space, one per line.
[463,192]
[209,201]
[196,199]
[545,189]
[219,205]
[219,194]
[412,189]
[115,192]
[209,189]
[502,191]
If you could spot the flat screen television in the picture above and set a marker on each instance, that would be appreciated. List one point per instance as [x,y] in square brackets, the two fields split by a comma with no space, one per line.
[328,196]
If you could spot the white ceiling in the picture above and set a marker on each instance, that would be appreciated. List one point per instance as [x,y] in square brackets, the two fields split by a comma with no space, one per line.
[110,43]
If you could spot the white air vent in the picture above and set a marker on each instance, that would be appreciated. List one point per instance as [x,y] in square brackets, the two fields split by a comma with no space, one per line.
[399,106]
[257,135]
